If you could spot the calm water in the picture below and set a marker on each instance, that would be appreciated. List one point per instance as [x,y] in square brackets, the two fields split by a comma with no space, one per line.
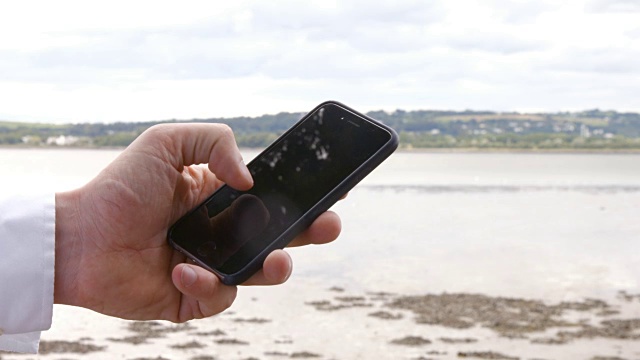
[556,226]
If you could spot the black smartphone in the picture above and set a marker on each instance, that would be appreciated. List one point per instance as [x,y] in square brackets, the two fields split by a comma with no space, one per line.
[297,178]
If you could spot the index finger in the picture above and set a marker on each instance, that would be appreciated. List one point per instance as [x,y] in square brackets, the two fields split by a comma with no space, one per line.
[197,143]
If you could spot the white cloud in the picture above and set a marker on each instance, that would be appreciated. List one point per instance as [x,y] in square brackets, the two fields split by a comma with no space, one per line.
[80,61]
[615,6]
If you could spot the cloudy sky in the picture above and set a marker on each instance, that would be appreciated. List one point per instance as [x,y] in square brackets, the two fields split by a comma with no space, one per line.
[81,61]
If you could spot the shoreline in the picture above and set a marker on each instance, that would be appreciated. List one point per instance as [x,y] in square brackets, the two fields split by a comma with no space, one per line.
[399,150]
[517,151]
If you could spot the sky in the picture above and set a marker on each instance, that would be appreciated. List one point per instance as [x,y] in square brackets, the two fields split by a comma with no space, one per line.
[78,61]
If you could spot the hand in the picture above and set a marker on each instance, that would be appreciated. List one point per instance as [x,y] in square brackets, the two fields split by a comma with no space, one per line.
[112,254]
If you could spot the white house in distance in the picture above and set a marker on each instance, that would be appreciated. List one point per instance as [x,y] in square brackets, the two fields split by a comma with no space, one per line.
[62,140]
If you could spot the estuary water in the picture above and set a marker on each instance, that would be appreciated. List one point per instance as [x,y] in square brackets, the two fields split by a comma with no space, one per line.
[547,227]
[555,226]
[552,226]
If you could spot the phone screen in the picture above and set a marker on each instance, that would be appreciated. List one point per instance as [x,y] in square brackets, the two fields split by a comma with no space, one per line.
[291,177]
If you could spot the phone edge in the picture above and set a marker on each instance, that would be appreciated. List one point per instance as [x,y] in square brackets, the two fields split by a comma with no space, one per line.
[306,219]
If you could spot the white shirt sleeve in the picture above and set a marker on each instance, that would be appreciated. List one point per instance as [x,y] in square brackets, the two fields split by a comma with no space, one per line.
[27,259]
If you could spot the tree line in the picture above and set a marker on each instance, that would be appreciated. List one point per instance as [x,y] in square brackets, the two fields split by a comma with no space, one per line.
[592,129]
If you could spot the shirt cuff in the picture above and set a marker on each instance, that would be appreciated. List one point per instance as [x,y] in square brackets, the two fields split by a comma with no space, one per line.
[27,259]
[22,343]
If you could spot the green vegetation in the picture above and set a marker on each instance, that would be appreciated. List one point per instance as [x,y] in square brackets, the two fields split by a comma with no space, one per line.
[586,130]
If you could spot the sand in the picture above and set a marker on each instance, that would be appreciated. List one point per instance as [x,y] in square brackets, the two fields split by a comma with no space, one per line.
[336,323]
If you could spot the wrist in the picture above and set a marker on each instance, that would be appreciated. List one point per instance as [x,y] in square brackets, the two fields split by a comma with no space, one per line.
[68,246]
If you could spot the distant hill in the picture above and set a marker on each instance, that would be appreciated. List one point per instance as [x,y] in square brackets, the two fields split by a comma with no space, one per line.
[592,129]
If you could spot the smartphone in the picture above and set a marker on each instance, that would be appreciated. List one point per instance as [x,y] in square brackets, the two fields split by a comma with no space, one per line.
[297,178]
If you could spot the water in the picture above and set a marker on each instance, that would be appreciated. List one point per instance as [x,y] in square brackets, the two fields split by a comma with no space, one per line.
[556,226]
[541,226]
[553,226]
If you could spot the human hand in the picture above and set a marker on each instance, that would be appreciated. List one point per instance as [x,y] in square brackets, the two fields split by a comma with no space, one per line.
[112,254]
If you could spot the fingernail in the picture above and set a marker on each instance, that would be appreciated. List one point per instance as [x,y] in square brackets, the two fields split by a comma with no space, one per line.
[246,172]
[188,276]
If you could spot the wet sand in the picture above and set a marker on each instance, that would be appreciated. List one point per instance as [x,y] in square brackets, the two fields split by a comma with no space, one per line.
[336,323]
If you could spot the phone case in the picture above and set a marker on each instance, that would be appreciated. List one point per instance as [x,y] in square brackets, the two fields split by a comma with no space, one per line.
[321,206]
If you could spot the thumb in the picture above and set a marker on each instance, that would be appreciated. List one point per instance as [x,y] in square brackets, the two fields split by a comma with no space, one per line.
[204,294]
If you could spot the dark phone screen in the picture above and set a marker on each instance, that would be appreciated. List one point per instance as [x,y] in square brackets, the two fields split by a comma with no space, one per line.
[290,177]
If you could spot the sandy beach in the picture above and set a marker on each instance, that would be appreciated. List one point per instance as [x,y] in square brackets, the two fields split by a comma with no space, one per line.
[336,323]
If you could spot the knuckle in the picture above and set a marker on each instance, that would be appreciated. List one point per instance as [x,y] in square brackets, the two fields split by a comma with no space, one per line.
[157,129]
[158,133]
[225,131]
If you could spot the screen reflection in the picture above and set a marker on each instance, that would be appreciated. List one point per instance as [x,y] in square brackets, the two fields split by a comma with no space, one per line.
[290,178]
